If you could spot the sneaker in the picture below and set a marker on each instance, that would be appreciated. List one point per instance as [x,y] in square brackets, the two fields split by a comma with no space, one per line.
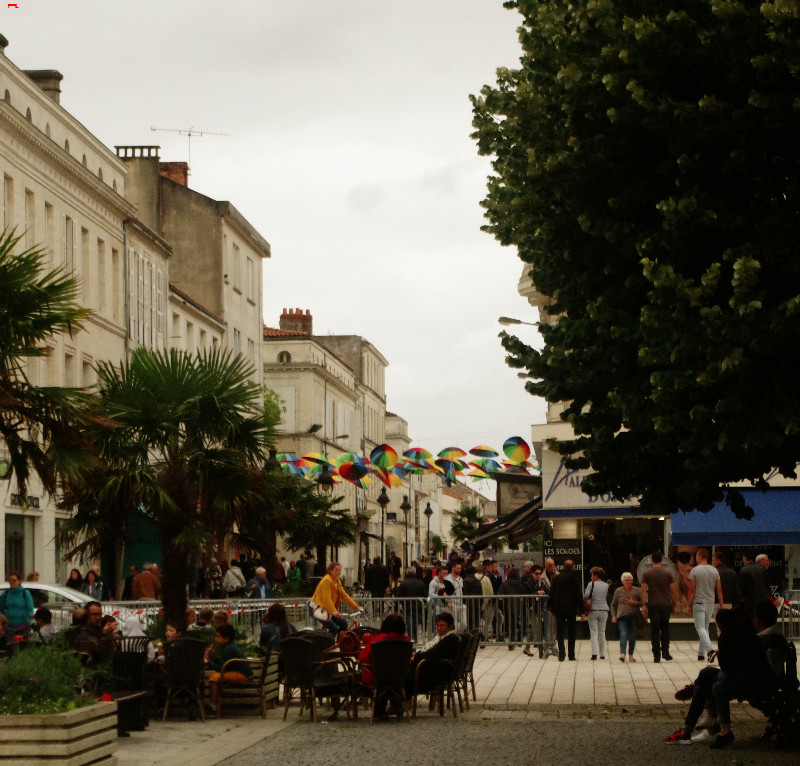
[678,738]
[708,722]
[667,657]
[685,694]
[711,656]
[703,737]
[722,740]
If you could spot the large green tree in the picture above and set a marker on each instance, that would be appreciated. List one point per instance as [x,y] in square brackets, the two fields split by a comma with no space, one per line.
[646,167]
[37,423]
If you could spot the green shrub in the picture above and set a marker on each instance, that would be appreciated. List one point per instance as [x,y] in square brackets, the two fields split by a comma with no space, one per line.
[41,680]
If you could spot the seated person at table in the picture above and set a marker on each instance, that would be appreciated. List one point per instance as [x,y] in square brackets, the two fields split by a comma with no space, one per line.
[216,657]
[276,627]
[443,647]
[393,626]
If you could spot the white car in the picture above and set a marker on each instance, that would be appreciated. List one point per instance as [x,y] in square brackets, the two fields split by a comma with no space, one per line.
[57,598]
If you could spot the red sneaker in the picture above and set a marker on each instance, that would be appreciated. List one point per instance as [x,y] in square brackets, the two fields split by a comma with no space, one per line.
[678,738]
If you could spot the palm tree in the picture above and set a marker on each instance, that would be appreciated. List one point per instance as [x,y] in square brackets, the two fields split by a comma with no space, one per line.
[180,437]
[36,422]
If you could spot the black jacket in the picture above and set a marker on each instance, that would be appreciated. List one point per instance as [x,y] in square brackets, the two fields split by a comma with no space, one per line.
[566,597]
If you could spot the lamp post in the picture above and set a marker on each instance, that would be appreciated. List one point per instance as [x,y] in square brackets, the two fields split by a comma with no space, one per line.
[383,501]
[428,513]
[405,507]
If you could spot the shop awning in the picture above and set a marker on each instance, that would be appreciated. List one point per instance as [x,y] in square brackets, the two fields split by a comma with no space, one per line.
[520,522]
[776,521]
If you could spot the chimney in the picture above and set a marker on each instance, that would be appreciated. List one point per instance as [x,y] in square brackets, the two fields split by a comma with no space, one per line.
[297,320]
[49,80]
[175,171]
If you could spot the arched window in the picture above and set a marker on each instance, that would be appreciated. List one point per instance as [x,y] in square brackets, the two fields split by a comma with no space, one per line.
[47,130]
[28,115]
[84,161]
[66,145]
[7,96]
[284,357]
[114,184]
[100,173]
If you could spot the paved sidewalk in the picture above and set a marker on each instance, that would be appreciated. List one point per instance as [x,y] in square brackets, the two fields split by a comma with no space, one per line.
[509,685]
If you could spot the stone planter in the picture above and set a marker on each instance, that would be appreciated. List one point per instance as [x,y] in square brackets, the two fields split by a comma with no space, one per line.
[84,736]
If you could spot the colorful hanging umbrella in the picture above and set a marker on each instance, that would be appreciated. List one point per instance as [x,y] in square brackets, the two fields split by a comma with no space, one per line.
[417,453]
[383,456]
[483,451]
[478,473]
[317,457]
[486,464]
[355,473]
[516,449]
[451,466]
[315,471]
[514,467]
[452,453]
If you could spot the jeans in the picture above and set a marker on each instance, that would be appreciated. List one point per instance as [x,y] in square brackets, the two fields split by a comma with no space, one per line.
[565,625]
[628,625]
[597,631]
[702,614]
[334,624]
[659,629]
[703,693]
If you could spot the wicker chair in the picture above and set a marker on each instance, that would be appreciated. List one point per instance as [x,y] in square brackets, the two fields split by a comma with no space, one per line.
[183,673]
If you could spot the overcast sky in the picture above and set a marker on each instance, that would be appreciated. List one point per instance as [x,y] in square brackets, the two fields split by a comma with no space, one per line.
[349,150]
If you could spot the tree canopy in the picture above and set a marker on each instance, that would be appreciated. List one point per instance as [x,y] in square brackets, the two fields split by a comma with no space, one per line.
[646,165]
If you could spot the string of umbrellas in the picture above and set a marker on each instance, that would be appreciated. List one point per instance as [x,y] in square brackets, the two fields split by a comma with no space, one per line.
[383,463]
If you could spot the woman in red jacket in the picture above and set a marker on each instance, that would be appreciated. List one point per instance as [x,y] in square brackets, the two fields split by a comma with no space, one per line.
[393,626]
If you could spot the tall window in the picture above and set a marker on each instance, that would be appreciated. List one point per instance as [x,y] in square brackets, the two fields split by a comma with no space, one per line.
[102,289]
[86,270]
[236,267]
[8,202]
[49,232]
[251,281]
[116,290]
[237,341]
[68,245]
[30,218]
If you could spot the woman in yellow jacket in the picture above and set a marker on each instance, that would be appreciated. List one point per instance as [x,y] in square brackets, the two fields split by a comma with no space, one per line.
[329,594]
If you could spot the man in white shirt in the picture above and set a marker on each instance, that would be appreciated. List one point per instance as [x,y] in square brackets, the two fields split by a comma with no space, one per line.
[454,586]
[704,582]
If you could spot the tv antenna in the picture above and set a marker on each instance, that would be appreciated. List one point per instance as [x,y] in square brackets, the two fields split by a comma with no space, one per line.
[189,132]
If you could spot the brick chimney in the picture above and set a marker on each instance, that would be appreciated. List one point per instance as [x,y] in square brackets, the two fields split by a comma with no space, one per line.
[297,320]
[49,80]
[175,171]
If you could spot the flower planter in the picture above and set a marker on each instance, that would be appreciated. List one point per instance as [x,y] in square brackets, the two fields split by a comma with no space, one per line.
[86,735]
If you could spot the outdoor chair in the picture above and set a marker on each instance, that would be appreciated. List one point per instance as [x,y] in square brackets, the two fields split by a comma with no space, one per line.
[446,687]
[312,677]
[391,660]
[255,691]
[184,673]
[363,630]
[466,679]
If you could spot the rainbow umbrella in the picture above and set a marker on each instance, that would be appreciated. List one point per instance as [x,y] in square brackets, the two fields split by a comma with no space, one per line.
[383,456]
[417,454]
[483,451]
[355,474]
[516,449]
[293,469]
[316,471]
[478,474]
[317,457]
[514,467]
[387,477]
[451,466]
[486,464]
[452,453]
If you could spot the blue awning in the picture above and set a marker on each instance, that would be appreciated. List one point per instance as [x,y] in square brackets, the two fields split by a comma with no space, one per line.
[776,521]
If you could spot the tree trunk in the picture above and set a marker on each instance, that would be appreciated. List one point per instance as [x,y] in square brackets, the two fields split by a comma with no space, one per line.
[174,574]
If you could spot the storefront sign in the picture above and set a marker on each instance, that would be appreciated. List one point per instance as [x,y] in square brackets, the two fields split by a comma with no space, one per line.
[562,488]
[561,550]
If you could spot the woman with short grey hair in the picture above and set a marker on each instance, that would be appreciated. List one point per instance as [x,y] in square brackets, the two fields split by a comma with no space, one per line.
[625,612]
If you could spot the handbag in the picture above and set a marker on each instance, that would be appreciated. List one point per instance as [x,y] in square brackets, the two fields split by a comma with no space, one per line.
[318,613]
[587,602]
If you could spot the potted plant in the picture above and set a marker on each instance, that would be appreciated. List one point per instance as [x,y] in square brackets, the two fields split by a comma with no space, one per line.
[44,714]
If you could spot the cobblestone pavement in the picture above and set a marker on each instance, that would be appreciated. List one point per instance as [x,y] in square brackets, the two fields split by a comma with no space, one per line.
[524,704]
[511,740]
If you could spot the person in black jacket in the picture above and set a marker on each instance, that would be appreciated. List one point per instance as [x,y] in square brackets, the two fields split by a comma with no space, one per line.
[752,584]
[416,592]
[566,604]
[443,647]
[376,579]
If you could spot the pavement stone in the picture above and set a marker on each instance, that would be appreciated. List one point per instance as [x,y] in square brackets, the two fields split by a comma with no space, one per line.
[509,686]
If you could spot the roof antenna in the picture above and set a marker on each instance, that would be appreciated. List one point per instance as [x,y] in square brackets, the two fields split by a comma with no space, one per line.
[189,132]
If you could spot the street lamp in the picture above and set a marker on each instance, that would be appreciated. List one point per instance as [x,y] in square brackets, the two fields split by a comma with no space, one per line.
[325,480]
[428,513]
[405,507]
[383,501]
[272,464]
[511,320]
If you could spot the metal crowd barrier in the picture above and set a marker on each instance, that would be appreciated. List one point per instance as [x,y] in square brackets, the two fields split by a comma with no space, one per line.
[503,620]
